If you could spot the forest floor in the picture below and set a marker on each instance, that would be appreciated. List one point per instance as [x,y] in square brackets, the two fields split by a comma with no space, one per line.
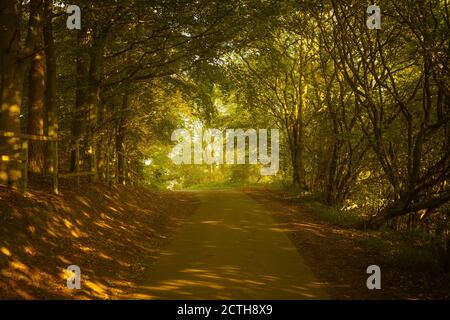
[113,235]
[121,237]
[231,248]
[339,255]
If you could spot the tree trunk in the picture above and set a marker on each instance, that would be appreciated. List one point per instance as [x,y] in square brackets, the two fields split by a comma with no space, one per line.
[50,93]
[396,209]
[102,144]
[36,91]
[79,113]
[93,95]
[10,90]
[297,153]
[330,187]
[120,146]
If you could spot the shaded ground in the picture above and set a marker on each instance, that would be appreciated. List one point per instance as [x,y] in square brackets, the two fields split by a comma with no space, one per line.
[235,246]
[339,256]
[230,249]
[114,236]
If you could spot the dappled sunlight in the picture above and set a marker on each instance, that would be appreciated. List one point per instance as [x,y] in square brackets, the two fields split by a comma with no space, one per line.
[232,250]
[210,222]
[101,291]
[342,253]
[228,282]
[112,237]
[5,251]
[179,283]
[313,139]
[141,296]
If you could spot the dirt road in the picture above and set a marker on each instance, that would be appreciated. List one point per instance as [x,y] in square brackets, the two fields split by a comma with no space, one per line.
[230,249]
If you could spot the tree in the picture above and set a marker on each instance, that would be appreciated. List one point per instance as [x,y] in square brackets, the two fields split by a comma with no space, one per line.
[36,91]
[401,89]
[12,65]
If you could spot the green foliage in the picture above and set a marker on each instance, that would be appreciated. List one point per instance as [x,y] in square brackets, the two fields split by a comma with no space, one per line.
[334,215]
[363,114]
[409,252]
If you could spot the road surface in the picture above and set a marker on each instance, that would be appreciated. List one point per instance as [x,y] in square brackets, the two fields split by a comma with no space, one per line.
[230,249]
